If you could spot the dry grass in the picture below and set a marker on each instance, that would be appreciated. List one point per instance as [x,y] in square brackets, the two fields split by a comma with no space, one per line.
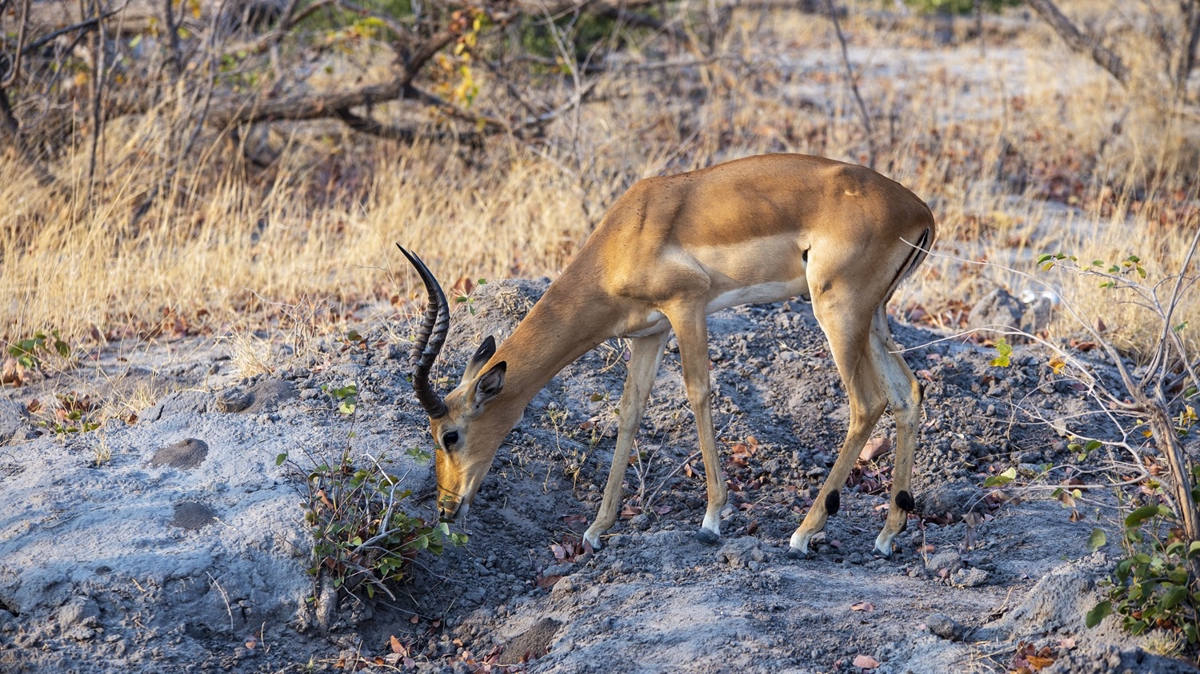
[1024,151]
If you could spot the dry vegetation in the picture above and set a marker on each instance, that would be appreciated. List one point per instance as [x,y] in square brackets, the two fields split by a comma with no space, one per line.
[1020,147]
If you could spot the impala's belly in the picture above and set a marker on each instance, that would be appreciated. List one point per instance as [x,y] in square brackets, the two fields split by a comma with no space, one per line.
[762,293]
[754,271]
[655,321]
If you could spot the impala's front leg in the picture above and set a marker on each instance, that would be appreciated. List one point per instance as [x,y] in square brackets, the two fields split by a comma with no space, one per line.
[645,353]
[691,331]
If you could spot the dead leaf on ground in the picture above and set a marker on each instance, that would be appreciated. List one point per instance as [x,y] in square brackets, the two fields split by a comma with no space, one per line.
[862,606]
[875,448]
[865,662]
[547,582]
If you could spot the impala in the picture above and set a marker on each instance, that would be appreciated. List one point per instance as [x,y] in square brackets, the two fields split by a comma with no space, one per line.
[672,250]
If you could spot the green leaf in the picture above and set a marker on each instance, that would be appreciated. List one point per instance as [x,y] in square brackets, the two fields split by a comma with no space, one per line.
[1135,518]
[1173,597]
[1097,539]
[1092,446]
[1193,549]
[1098,614]
[1001,479]
[280,458]
[1005,350]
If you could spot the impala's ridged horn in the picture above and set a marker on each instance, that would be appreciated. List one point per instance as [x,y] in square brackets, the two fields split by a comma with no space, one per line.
[430,339]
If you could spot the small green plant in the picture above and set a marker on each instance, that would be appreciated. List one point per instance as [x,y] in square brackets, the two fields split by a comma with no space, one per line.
[362,536]
[1152,587]
[74,413]
[419,454]
[26,355]
[1113,273]
[467,298]
[26,351]
[1004,349]
[346,396]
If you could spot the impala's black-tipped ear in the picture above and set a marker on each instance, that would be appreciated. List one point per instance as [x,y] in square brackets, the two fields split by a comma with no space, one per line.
[485,351]
[481,357]
[490,384]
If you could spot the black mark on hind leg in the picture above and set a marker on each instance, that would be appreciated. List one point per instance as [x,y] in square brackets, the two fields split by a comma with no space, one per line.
[905,501]
[833,501]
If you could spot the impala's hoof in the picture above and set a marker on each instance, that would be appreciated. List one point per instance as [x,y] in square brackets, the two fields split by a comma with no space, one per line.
[708,537]
[592,540]
[883,544]
[797,553]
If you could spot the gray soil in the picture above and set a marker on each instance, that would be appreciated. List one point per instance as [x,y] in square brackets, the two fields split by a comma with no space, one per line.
[186,548]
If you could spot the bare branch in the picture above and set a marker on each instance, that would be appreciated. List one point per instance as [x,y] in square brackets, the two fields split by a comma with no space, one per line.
[15,66]
[1079,42]
[83,26]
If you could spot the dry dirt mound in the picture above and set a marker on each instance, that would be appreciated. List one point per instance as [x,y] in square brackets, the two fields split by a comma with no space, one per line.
[187,550]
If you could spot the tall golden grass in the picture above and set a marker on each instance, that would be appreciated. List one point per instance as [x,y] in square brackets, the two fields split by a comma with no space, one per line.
[1023,150]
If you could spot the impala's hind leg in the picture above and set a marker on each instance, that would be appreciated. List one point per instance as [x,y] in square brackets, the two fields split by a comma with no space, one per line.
[849,334]
[645,353]
[904,397]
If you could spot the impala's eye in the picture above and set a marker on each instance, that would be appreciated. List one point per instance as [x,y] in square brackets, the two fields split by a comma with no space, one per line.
[449,439]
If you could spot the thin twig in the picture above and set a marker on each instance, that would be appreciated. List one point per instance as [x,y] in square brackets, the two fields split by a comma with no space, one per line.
[852,81]
[15,66]
[83,26]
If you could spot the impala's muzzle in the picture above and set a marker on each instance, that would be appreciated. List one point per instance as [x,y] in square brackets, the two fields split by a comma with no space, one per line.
[454,512]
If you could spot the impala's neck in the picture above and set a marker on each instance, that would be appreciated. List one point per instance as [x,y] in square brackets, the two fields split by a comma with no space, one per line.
[572,318]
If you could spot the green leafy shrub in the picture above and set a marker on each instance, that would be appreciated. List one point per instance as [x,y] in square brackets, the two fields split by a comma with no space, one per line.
[362,535]
[1152,586]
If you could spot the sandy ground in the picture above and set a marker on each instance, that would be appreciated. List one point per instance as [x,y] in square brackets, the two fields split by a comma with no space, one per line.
[185,548]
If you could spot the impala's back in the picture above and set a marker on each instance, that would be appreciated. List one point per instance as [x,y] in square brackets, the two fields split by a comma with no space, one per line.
[748,232]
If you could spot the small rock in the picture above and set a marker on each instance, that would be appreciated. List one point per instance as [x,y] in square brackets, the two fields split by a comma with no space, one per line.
[946,559]
[558,570]
[739,552]
[79,612]
[234,400]
[999,311]
[641,522]
[969,577]
[565,586]
[944,626]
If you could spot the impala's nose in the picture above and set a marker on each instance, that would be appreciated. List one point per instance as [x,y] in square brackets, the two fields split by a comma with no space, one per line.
[447,510]
[453,513]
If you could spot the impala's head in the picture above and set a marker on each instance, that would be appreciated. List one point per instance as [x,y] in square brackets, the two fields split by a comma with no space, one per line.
[465,436]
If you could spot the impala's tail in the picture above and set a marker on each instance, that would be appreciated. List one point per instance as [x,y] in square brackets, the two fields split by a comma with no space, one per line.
[920,250]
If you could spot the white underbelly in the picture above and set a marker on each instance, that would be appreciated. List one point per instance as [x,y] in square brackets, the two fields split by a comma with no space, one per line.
[655,321]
